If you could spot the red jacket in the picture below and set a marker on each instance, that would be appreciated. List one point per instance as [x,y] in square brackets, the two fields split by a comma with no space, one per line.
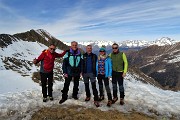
[48,59]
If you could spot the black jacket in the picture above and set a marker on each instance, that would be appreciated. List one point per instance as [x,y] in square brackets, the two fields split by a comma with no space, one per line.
[84,62]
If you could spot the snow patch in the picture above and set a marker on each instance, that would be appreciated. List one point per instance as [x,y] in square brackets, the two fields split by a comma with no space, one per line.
[160,71]
[11,81]
[174,60]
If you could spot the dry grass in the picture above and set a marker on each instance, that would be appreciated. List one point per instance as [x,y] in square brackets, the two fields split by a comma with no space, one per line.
[82,113]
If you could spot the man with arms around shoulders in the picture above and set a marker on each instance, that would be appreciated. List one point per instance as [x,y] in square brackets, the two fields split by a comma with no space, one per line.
[47,59]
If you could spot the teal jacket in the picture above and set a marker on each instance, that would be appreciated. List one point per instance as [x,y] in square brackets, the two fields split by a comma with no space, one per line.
[108,67]
[72,63]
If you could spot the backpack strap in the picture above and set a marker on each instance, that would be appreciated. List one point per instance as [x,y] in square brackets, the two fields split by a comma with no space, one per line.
[45,51]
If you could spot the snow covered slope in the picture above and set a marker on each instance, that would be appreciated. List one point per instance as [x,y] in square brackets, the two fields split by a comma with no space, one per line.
[139,97]
[16,60]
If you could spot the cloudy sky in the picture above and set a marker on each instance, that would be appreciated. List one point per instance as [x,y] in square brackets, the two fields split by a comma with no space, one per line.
[84,20]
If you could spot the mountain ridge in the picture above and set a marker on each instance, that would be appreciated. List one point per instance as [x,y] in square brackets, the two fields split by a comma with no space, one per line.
[130,43]
[40,35]
[159,62]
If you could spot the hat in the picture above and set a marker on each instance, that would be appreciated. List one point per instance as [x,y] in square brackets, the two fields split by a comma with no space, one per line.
[102,49]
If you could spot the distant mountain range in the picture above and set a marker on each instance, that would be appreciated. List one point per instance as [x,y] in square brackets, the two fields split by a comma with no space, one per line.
[126,45]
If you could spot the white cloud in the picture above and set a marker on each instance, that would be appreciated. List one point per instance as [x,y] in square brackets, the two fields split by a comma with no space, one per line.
[121,19]
[131,13]
[14,22]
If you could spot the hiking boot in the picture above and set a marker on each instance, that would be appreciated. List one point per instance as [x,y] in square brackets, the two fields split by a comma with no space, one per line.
[109,103]
[96,103]
[101,98]
[75,97]
[62,100]
[44,99]
[87,99]
[121,101]
[51,98]
[114,100]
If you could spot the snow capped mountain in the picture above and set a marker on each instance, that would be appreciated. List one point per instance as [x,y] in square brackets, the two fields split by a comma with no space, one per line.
[98,43]
[164,41]
[93,43]
[134,43]
[130,43]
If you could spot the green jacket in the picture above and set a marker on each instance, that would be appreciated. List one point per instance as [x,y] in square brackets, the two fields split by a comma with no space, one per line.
[119,62]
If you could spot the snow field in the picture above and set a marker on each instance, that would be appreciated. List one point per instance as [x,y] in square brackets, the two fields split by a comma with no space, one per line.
[139,96]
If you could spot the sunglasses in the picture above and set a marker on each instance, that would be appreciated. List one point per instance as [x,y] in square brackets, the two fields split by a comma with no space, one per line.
[115,48]
[53,49]
[101,51]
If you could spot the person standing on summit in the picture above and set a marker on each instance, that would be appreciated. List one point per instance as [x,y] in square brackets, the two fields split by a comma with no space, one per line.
[119,66]
[104,72]
[89,60]
[72,71]
[47,59]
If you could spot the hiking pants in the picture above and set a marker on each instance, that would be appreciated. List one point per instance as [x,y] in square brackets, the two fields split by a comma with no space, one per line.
[117,78]
[66,86]
[102,78]
[47,79]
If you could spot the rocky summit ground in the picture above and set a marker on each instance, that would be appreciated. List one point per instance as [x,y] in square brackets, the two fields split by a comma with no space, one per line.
[82,113]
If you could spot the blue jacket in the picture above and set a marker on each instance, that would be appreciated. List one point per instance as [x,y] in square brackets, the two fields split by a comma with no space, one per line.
[85,64]
[72,63]
[108,67]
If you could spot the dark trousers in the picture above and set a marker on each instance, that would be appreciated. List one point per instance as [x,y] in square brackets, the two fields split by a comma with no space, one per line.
[47,78]
[66,86]
[117,78]
[92,78]
[102,78]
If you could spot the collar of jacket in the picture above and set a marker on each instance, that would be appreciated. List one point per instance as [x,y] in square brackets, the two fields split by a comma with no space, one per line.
[74,52]
[116,52]
[90,54]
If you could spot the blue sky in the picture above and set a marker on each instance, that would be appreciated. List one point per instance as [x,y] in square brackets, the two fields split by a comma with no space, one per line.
[84,20]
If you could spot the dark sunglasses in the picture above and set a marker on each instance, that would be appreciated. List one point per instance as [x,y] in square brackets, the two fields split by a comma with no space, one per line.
[53,49]
[101,51]
[115,48]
